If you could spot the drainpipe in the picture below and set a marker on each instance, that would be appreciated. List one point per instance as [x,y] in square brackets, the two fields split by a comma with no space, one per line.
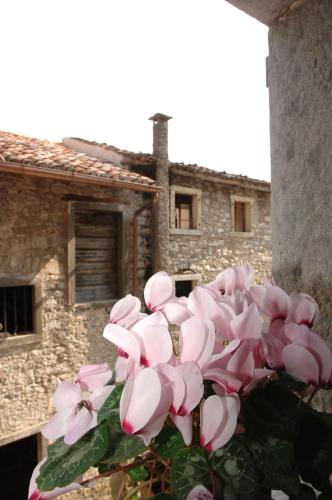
[150,204]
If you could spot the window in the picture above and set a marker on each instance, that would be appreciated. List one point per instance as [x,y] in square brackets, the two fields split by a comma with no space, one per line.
[16,310]
[183,288]
[97,251]
[185,283]
[185,210]
[242,215]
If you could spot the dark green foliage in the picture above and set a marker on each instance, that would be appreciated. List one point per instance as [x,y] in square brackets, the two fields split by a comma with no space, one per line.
[169,442]
[235,464]
[64,463]
[190,468]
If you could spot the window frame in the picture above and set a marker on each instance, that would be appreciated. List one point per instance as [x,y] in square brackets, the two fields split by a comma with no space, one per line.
[196,209]
[249,207]
[122,257]
[25,338]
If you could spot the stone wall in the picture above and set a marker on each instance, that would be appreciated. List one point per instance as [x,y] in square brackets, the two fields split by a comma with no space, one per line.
[300,84]
[33,246]
[217,247]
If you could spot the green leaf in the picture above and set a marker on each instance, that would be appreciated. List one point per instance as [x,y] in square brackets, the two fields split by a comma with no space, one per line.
[64,463]
[110,409]
[169,442]
[190,468]
[235,465]
[122,448]
[274,457]
[138,474]
[271,410]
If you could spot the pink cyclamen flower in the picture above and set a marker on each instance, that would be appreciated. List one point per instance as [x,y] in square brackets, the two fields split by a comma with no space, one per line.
[76,411]
[147,343]
[218,420]
[187,391]
[233,279]
[90,377]
[144,404]
[270,300]
[199,492]
[36,494]
[308,357]
[303,309]
[158,291]
[126,311]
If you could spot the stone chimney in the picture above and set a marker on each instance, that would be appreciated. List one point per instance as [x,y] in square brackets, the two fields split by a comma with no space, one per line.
[160,135]
[161,211]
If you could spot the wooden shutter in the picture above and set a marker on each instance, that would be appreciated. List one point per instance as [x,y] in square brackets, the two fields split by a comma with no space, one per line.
[96,255]
[240,216]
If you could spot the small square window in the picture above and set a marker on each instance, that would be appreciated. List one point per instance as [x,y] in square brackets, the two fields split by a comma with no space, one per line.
[183,288]
[242,214]
[16,310]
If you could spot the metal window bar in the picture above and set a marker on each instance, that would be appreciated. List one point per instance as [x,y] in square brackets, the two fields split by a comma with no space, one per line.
[16,310]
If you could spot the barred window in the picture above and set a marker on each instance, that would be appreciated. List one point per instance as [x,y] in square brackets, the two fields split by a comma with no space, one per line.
[16,310]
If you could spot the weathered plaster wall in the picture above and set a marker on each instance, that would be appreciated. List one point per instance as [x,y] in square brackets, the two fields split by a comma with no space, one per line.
[33,245]
[300,83]
[216,248]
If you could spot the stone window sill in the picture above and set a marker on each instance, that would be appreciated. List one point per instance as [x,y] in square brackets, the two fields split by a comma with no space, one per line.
[186,232]
[95,304]
[242,235]
[19,341]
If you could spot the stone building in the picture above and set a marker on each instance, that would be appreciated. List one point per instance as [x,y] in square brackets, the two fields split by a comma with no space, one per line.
[82,224]
[58,207]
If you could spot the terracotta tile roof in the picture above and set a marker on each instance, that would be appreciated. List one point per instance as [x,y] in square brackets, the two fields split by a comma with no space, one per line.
[142,158]
[194,169]
[57,158]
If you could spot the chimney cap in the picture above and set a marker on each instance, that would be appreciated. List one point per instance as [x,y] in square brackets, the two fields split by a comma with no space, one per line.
[160,118]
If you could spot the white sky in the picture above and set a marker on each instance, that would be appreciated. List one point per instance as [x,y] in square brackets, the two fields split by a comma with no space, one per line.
[98,69]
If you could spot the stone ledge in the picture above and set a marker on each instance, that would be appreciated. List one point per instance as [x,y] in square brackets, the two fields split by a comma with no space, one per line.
[237,234]
[20,340]
[185,232]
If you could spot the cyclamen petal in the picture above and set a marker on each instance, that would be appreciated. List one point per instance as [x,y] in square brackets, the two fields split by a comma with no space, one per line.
[185,425]
[194,388]
[90,377]
[65,395]
[319,348]
[197,339]
[303,309]
[301,364]
[159,290]
[157,345]
[199,492]
[248,324]
[59,424]
[124,340]
[218,421]
[80,425]
[141,402]
[176,313]
[125,311]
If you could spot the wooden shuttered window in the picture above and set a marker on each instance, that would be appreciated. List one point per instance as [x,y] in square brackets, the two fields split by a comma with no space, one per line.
[242,217]
[96,255]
